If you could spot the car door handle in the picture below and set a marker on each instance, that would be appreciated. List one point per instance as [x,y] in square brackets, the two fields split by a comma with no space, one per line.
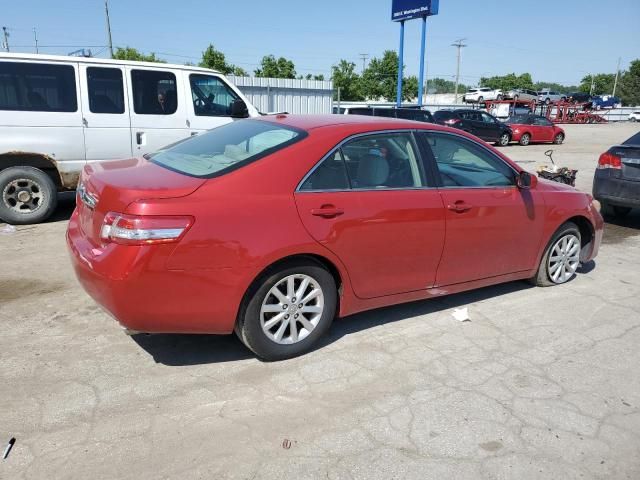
[459,207]
[327,211]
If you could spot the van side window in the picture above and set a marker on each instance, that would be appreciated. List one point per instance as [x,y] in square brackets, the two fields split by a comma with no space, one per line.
[37,87]
[106,91]
[211,97]
[154,92]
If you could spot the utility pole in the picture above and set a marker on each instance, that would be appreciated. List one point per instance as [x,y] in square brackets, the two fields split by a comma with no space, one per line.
[5,43]
[106,10]
[364,57]
[593,84]
[459,45]
[615,83]
[35,37]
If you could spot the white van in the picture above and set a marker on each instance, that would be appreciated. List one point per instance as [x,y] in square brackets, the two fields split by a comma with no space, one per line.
[58,113]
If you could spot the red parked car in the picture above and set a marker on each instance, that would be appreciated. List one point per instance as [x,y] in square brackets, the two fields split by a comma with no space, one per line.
[534,129]
[271,227]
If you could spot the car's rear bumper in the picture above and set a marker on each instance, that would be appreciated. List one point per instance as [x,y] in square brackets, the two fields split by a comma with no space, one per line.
[133,284]
[616,191]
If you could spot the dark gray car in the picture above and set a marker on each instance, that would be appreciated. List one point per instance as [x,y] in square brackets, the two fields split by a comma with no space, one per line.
[616,184]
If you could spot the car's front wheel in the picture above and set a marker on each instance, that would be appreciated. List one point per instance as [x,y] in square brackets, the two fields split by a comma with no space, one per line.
[561,258]
[288,310]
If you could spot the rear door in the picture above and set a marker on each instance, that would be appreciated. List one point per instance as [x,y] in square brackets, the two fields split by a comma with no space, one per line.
[493,227]
[158,110]
[105,112]
[370,203]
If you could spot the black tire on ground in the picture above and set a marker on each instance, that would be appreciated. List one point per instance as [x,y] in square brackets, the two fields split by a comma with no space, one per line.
[541,278]
[558,139]
[249,329]
[504,140]
[547,101]
[499,97]
[480,99]
[37,185]
[525,139]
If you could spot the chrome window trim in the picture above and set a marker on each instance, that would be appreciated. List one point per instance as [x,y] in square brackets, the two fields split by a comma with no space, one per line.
[352,137]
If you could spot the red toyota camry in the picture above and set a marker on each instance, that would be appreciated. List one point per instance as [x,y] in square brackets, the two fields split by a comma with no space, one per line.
[274,226]
[534,129]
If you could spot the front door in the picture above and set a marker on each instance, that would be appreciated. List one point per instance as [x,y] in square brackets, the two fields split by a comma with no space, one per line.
[105,112]
[542,130]
[370,204]
[209,101]
[493,227]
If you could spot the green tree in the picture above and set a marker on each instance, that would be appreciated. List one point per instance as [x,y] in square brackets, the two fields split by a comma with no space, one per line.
[630,85]
[556,87]
[602,83]
[129,53]
[276,68]
[216,60]
[441,85]
[410,88]
[380,78]
[344,76]
[508,82]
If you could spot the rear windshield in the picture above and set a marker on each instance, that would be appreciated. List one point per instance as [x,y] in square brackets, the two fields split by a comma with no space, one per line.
[635,140]
[226,148]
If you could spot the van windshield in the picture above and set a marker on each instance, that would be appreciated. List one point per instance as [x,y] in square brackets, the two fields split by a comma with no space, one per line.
[226,148]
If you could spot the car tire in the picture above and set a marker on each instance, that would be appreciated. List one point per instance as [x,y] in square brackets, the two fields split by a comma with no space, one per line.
[633,120]
[260,306]
[499,98]
[480,100]
[558,139]
[38,202]
[504,140]
[525,139]
[556,272]
[515,98]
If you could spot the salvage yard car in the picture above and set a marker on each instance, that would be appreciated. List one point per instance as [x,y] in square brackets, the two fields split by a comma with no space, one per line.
[534,129]
[481,124]
[480,94]
[272,227]
[59,113]
[616,183]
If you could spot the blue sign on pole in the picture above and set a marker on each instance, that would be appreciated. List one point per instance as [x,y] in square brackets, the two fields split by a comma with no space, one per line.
[407,9]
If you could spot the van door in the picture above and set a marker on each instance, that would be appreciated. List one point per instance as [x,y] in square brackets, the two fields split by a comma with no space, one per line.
[158,112]
[209,99]
[105,112]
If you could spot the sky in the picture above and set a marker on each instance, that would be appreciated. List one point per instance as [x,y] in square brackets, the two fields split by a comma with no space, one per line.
[554,40]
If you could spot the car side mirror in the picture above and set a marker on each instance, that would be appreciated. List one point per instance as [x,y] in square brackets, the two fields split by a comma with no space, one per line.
[526,181]
[239,109]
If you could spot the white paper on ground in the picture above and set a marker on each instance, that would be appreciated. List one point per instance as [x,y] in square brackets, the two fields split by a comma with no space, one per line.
[461,314]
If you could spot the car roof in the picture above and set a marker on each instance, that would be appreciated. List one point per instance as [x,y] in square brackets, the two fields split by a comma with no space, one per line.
[93,60]
[310,122]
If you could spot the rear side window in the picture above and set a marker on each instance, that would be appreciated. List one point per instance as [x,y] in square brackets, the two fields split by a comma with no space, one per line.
[106,90]
[444,115]
[37,87]
[211,97]
[154,92]
[331,174]
[226,148]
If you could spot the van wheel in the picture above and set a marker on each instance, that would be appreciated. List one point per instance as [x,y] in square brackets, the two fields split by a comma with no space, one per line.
[27,195]
[288,311]
[561,257]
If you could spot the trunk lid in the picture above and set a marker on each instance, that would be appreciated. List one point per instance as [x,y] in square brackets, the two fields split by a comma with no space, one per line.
[113,186]
[630,158]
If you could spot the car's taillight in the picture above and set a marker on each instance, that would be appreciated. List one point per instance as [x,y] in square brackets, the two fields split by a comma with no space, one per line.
[143,229]
[609,160]
[452,121]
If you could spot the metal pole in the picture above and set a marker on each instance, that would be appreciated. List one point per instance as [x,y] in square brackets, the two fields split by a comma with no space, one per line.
[106,9]
[593,84]
[339,112]
[5,44]
[459,45]
[35,37]
[422,50]
[615,84]
[400,66]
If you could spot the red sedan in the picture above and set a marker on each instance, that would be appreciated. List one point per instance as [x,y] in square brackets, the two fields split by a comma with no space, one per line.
[534,129]
[272,227]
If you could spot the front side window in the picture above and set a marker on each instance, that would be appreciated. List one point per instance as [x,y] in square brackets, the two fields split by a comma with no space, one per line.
[226,148]
[154,92]
[106,90]
[464,164]
[541,121]
[37,87]
[331,174]
[211,96]
[387,160]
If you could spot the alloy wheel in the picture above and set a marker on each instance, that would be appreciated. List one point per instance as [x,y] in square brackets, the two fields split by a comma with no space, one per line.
[564,258]
[292,309]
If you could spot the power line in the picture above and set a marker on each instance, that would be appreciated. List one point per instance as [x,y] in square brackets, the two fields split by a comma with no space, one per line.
[364,57]
[459,45]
